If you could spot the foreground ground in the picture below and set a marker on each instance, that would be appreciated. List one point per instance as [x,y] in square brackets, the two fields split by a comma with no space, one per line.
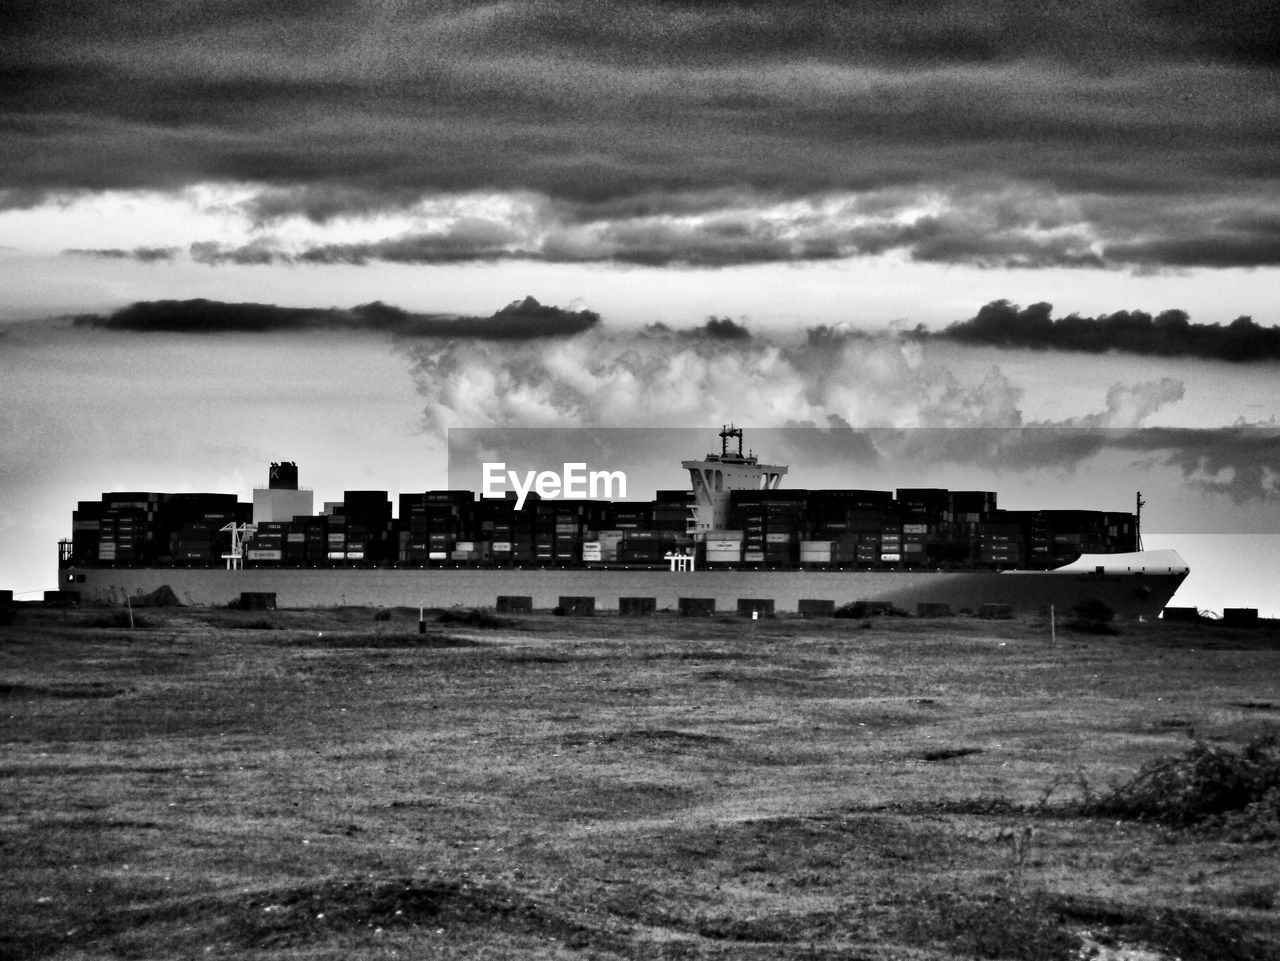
[329,785]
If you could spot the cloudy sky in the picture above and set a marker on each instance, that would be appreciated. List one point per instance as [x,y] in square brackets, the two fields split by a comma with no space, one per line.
[330,231]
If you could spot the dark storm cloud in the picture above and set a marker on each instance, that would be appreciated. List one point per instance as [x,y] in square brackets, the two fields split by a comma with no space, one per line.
[716,328]
[208,317]
[469,241]
[1168,334]
[528,318]
[521,320]
[722,328]
[1243,241]
[147,255]
[349,108]
[983,230]
[259,253]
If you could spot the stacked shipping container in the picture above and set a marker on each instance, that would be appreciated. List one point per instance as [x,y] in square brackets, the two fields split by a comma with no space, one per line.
[917,528]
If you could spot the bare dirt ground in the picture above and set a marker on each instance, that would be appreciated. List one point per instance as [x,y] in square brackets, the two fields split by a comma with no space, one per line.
[328,785]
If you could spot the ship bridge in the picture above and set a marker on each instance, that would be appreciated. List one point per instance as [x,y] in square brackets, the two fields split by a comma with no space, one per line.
[715,477]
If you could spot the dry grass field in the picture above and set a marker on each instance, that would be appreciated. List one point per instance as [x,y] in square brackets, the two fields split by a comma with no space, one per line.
[334,785]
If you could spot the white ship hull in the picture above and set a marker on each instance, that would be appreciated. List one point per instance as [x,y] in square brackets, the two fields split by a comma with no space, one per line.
[1132,585]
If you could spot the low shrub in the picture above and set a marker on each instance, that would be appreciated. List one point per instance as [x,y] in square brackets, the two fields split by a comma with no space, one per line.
[472,618]
[1206,785]
[860,610]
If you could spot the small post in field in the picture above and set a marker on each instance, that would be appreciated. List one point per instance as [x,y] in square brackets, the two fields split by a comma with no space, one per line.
[1053,627]
[422,620]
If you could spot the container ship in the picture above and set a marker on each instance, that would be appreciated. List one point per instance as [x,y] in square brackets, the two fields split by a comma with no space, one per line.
[735,540]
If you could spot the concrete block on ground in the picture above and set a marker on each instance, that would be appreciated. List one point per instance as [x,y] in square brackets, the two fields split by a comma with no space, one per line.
[697,606]
[514,604]
[637,606]
[995,612]
[1240,616]
[932,609]
[760,606]
[577,606]
[812,607]
[257,601]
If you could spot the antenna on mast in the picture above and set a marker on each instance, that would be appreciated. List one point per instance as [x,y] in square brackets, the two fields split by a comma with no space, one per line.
[725,434]
[1137,526]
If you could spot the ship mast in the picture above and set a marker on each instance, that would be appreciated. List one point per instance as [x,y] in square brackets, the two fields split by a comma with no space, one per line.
[1137,524]
[725,434]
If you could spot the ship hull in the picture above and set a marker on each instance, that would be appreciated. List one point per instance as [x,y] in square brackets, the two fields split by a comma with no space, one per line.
[1142,594]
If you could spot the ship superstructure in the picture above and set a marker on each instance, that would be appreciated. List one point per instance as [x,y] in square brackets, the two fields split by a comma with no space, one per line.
[717,476]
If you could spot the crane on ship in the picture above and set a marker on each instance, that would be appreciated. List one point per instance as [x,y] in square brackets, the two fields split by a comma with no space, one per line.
[239,534]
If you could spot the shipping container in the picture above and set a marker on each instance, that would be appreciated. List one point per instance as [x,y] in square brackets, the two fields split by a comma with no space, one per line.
[724,545]
[726,558]
[645,552]
[724,555]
